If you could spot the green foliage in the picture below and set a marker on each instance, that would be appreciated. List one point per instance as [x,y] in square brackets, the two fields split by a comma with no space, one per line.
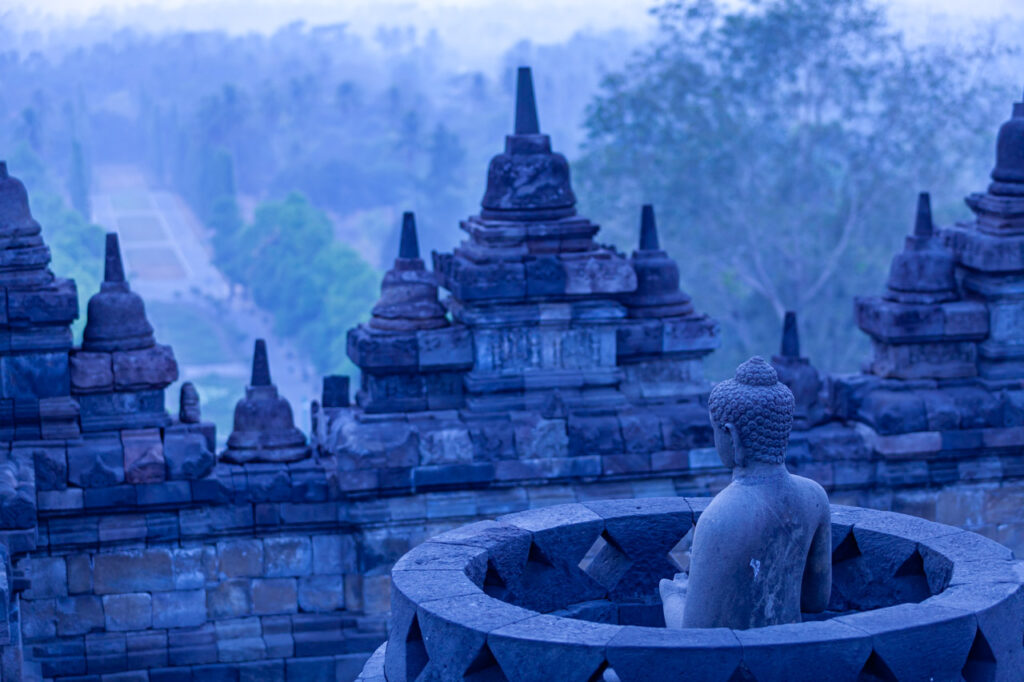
[783,145]
[315,287]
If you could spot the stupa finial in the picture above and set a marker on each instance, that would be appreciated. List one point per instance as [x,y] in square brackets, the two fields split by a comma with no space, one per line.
[924,226]
[790,336]
[260,365]
[113,268]
[410,245]
[648,229]
[526,104]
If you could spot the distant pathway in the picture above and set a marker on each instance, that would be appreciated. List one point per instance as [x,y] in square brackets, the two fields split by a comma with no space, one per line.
[168,259]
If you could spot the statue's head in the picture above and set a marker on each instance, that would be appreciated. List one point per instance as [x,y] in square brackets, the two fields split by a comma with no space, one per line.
[751,415]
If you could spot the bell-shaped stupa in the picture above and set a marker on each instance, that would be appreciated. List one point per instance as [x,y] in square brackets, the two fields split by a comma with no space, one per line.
[117,316]
[264,429]
[657,276]
[408,294]
[920,328]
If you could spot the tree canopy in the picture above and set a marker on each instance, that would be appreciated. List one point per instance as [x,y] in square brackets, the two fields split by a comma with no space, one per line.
[783,145]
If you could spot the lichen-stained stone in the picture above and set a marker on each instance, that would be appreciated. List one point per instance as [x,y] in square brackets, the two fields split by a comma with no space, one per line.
[179,608]
[321,593]
[827,650]
[79,615]
[455,631]
[229,599]
[153,367]
[186,454]
[96,461]
[287,556]
[274,595]
[918,640]
[133,571]
[537,647]
[143,456]
[91,372]
[642,654]
[127,611]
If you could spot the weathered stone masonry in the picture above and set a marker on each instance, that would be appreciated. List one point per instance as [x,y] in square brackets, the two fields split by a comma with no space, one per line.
[557,370]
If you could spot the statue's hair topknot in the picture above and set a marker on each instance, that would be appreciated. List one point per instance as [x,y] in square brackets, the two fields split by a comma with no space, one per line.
[758,406]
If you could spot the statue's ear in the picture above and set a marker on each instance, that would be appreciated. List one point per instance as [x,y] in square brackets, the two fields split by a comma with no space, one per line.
[739,456]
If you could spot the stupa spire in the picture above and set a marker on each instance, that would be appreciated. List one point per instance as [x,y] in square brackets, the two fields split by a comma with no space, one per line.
[790,336]
[410,244]
[526,104]
[648,229]
[924,226]
[260,365]
[113,267]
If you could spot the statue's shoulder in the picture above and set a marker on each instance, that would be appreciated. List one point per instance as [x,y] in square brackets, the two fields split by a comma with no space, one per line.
[812,490]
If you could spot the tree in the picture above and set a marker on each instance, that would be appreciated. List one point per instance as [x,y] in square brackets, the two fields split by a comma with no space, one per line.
[783,144]
[78,181]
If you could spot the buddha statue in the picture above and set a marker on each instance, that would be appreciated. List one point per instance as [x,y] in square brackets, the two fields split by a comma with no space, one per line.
[762,549]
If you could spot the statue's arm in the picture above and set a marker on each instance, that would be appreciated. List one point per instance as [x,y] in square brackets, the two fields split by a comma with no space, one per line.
[817,582]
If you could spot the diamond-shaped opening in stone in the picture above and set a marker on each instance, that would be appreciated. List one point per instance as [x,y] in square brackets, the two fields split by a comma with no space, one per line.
[494,585]
[416,658]
[981,662]
[910,582]
[604,673]
[595,548]
[846,550]
[484,667]
[876,670]
[609,564]
[742,674]
[537,556]
[679,555]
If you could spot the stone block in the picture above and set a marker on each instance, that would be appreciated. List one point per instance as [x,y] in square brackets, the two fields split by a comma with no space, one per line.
[321,593]
[327,559]
[371,350]
[317,634]
[641,432]
[57,500]
[79,572]
[312,668]
[131,410]
[170,675]
[146,368]
[96,461]
[179,609]
[38,619]
[190,646]
[143,456]
[133,571]
[537,438]
[229,599]
[145,650]
[120,528]
[79,615]
[106,652]
[272,596]
[115,496]
[32,376]
[240,558]
[661,654]
[445,444]
[48,577]
[51,467]
[892,412]
[287,556]
[262,671]
[445,476]
[216,672]
[63,657]
[127,611]
[186,454]
[450,348]
[91,372]
[594,435]
[277,633]
[536,646]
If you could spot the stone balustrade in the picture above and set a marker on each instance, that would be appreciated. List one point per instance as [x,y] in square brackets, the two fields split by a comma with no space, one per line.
[569,592]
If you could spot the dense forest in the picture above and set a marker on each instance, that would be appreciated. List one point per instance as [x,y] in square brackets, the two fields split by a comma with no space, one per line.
[783,143]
